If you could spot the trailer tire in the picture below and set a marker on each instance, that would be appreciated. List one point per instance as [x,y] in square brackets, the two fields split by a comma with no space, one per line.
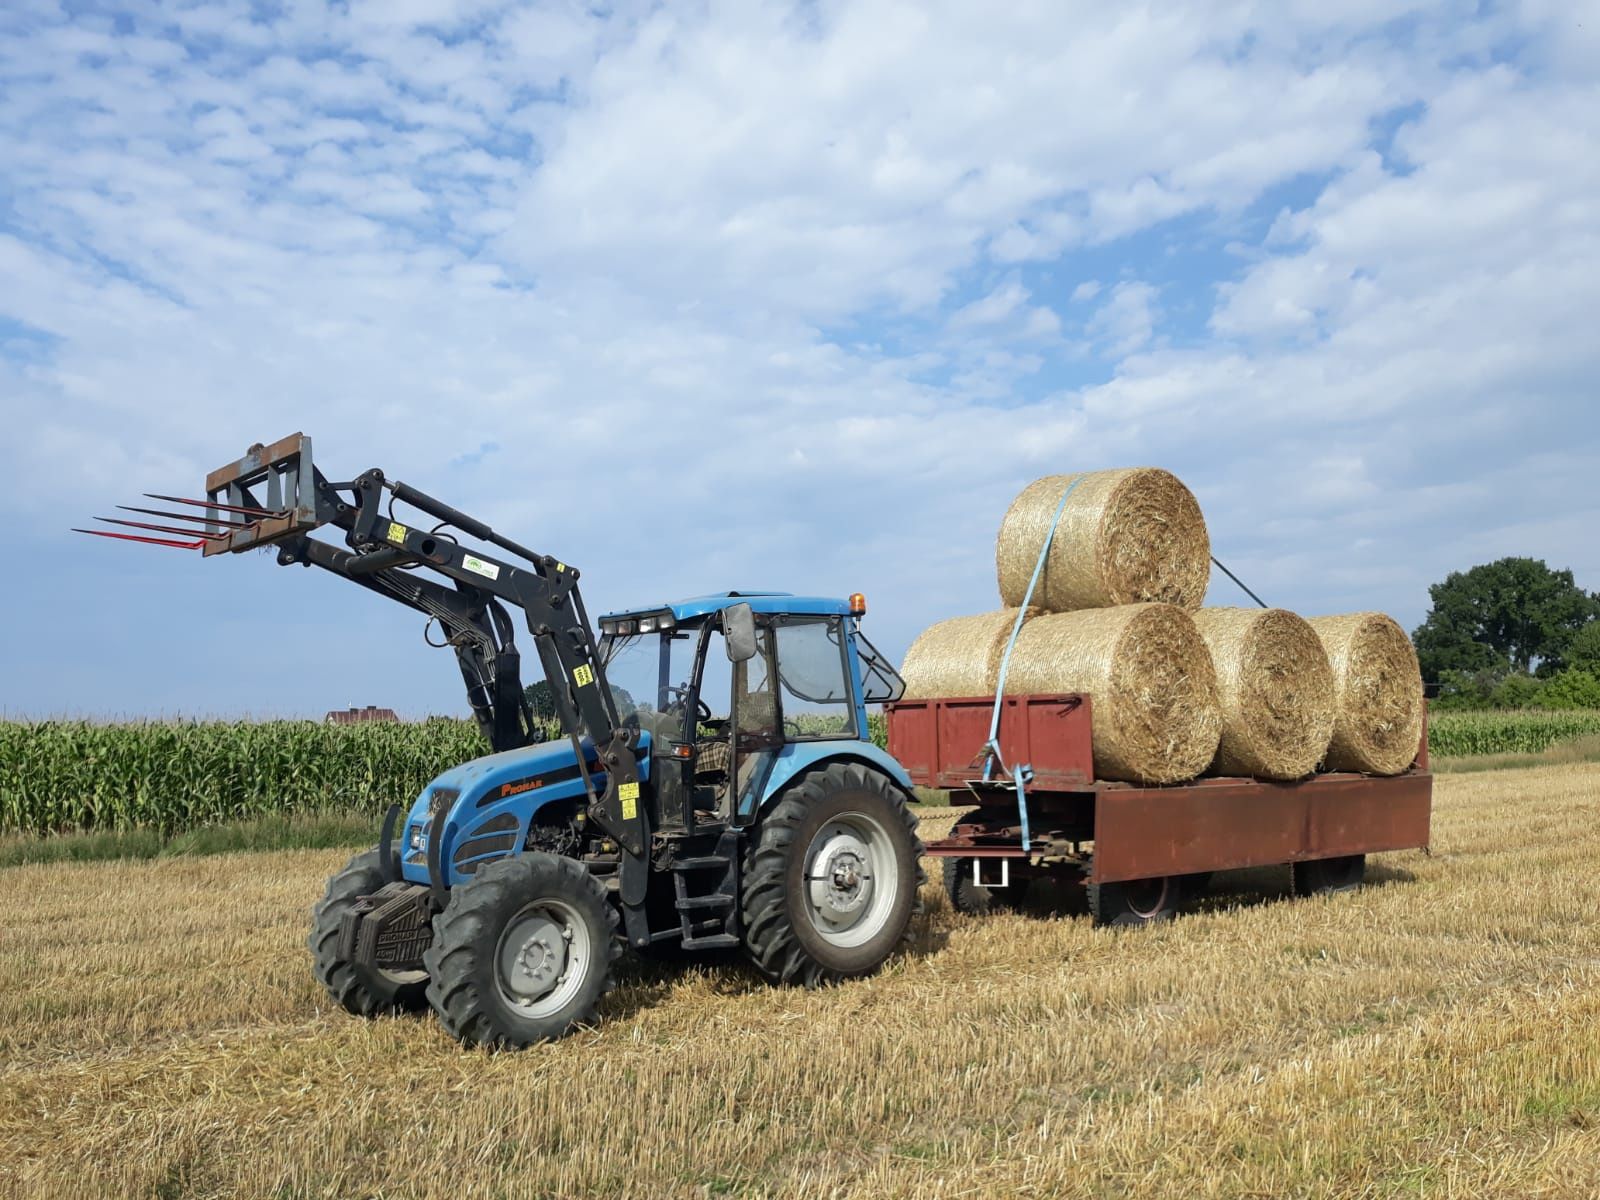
[1135,901]
[364,991]
[831,820]
[506,945]
[1319,876]
[973,900]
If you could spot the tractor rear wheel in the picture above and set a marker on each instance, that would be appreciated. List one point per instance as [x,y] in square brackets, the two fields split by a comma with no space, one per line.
[1320,875]
[364,991]
[974,899]
[1135,901]
[831,877]
[523,952]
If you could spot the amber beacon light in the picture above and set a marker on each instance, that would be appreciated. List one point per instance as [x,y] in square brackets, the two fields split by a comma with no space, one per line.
[858,604]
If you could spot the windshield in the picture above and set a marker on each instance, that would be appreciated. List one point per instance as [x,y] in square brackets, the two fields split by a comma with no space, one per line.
[646,673]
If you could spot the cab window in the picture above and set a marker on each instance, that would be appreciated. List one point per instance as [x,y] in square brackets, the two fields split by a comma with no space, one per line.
[814,678]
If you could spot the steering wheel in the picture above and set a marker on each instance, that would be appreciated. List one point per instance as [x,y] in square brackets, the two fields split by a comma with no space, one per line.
[702,710]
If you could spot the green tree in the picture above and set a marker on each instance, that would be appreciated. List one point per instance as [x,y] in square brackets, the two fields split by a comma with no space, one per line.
[1583,653]
[540,700]
[1514,614]
[1572,688]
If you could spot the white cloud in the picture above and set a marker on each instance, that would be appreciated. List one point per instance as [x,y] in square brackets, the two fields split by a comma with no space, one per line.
[788,285]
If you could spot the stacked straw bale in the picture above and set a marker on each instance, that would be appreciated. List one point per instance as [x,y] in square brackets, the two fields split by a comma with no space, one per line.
[1377,688]
[1125,537]
[1152,688]
[959,657]
[1275,688]
[1261,693]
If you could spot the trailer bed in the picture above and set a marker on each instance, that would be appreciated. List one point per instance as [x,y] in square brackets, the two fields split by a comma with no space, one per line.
[1118,832]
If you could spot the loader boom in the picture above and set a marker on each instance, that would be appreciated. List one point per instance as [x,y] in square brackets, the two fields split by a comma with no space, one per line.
[277,496]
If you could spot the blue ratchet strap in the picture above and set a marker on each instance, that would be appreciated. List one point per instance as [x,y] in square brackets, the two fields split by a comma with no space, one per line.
[1022,773]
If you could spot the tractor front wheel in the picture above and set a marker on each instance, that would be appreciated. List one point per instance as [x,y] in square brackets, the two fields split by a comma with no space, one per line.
[523,952]
[831,877]
[364,991]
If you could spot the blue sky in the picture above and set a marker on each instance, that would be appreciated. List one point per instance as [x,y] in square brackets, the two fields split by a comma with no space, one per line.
[796,296]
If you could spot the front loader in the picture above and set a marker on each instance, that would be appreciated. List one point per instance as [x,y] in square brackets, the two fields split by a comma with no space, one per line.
[714,787]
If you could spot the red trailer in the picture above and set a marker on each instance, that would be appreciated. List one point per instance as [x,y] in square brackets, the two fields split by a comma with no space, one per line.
[1137,848]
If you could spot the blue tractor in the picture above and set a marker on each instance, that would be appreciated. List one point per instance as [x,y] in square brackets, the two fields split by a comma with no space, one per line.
[713,787]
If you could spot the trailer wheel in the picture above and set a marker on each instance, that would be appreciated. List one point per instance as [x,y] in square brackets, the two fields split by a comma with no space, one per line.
[1135,901]
[831,878]
[1320,875]
[975,900]
[523,952]
[364,991]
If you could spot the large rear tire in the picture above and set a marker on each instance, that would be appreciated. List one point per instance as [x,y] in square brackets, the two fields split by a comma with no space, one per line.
[364,991]
[831,878]
[523,952]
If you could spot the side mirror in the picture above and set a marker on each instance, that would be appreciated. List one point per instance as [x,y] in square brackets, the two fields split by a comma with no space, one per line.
[739,631]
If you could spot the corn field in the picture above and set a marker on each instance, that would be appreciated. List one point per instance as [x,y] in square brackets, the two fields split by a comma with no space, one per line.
[1516,731]
[60,775]
[66,775]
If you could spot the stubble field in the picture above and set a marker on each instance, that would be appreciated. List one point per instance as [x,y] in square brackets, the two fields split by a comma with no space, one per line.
[1436,1034]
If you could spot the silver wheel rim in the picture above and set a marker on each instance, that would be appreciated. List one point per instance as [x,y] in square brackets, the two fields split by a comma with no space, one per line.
[542,958]
[850,881]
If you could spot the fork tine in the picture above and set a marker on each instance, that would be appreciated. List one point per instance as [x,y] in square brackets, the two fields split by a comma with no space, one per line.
[149,541]
[156,512]
[220,507]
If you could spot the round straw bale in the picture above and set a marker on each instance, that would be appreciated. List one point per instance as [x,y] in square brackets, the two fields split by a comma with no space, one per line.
[1276,691]
[958,657]
[1125,537]
[1152,689]
[1377,690]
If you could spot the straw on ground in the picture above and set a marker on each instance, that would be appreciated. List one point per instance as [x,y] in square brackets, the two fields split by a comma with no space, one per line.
[1436,1034]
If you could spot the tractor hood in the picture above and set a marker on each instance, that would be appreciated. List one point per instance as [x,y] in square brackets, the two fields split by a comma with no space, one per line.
[490,802]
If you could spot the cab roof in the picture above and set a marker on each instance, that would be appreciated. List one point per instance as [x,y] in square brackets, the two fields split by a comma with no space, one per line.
[761,602]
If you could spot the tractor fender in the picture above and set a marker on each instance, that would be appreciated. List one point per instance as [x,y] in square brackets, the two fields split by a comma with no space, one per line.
[796,757]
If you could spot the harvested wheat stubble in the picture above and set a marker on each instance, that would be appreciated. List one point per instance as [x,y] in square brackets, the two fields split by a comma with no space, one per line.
[1377,693]
[1152,688]
[1276,691]
[958,657]
[1125,537]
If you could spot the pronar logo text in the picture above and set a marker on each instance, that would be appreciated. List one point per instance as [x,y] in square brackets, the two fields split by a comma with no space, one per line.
[583,676]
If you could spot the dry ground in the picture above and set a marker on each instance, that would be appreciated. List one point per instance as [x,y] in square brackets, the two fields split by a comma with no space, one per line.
[1437,1034]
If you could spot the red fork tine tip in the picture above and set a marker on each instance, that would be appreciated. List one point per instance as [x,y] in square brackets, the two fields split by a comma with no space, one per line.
[148,541]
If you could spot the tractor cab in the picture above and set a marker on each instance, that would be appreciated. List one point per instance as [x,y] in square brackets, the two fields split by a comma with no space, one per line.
[738,689]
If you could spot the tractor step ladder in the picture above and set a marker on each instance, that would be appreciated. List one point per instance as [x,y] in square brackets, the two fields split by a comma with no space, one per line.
[710,919]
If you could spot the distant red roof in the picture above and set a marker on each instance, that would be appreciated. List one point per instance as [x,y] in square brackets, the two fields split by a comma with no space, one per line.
[359,716]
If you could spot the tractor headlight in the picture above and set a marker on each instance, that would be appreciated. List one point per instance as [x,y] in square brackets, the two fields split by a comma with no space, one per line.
[418,835]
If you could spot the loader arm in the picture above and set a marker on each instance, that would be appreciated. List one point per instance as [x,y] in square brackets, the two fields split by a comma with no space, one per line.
[276,496]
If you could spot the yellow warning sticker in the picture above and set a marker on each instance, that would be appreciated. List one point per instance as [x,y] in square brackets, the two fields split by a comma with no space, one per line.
[561,566]
[628,793]
[397,533]
[583,676]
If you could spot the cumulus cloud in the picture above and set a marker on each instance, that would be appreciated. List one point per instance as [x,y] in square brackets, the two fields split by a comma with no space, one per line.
[809,290]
